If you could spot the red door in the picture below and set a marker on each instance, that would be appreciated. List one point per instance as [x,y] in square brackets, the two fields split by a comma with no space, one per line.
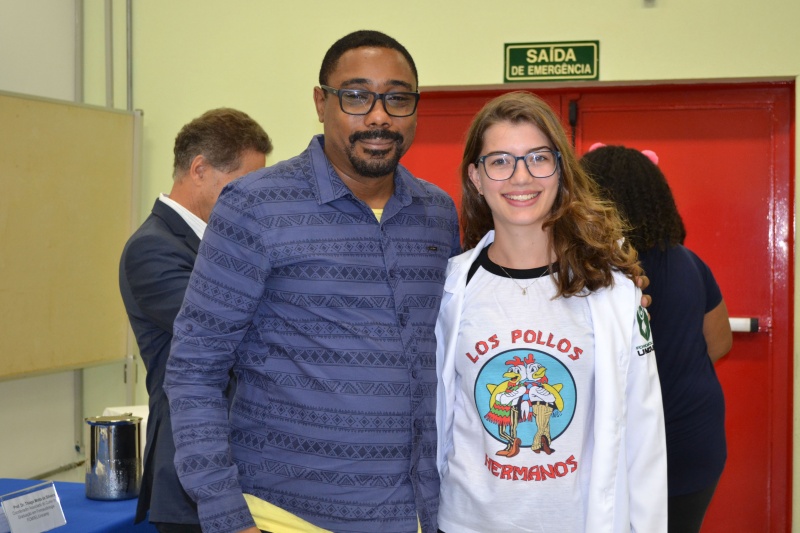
[727,152]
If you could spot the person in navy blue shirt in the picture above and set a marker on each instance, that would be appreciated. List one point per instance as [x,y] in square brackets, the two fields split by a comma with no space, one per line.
[317,284]
[691,330]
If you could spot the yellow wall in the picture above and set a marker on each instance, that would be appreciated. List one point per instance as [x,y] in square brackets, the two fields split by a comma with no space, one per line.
[263,56]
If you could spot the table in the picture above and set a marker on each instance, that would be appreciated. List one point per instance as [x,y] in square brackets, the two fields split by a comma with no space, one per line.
[84,515]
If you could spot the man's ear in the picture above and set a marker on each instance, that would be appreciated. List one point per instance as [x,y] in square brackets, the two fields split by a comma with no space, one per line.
[319,103]
[197,168]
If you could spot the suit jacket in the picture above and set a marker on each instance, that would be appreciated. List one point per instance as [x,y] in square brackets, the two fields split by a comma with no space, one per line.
[153,275]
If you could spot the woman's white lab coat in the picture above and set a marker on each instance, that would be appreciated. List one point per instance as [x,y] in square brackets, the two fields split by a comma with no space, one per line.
[628,481]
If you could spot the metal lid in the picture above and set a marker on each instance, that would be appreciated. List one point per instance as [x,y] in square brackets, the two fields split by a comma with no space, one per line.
[109,420]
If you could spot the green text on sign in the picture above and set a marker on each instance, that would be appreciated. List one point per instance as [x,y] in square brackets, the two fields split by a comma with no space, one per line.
[552,61]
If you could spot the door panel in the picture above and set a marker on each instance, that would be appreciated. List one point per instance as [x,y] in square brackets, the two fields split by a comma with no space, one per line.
[726,152]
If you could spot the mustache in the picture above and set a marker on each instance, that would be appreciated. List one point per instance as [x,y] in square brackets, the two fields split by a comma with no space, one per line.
[377,134]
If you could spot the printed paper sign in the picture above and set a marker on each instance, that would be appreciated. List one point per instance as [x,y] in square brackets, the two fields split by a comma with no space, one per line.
[33,510]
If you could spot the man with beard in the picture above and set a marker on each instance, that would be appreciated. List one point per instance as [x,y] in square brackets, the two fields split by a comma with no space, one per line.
[317,285]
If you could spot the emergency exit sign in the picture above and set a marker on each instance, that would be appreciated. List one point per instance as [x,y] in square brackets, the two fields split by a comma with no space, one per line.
[552,61]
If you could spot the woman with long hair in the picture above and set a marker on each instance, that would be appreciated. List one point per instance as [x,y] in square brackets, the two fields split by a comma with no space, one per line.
[692,329]
[549,408]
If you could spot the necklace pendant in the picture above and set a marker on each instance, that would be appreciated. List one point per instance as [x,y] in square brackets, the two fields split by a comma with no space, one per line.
[525,292]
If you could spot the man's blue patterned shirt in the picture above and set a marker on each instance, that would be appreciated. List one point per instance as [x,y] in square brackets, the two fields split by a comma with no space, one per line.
[325,316]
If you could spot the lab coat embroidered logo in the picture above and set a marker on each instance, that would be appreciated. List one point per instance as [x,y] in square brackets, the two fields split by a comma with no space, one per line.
[644,323]
[644,330]
[527,399]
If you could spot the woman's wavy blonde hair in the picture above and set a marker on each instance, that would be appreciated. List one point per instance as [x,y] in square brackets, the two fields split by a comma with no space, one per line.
[587,232]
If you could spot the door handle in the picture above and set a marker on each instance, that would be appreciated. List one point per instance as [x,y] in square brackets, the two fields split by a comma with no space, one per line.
[744,324]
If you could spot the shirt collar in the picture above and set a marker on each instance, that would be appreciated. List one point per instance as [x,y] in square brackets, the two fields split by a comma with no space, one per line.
[331,187]
[195,222]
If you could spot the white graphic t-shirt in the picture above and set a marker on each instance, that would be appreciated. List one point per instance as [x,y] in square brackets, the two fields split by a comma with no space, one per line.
[522,434]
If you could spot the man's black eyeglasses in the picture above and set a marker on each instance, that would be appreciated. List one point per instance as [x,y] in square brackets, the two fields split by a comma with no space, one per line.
[359,102]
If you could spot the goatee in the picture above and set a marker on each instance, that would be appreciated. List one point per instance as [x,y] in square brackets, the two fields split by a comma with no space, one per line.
[381,165]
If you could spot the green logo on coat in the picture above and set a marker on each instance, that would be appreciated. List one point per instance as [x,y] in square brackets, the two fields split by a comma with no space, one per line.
[644,323]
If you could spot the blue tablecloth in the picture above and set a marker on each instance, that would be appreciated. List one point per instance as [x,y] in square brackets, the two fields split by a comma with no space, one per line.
[84,515]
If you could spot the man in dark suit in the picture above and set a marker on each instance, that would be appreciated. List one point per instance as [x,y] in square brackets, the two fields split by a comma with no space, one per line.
[212,150]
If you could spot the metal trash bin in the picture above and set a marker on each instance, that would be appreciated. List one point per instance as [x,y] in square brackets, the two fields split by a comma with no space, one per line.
[114,458]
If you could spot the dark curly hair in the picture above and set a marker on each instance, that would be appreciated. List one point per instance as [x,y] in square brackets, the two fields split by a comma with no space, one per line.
[587,231]
[637,186]
[360,39]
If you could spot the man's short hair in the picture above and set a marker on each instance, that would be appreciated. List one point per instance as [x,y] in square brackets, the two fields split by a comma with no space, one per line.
[221,136]
[359,39]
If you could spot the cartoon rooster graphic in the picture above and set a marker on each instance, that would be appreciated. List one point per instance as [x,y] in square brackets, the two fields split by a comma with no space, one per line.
[525,395]
[503,409]
[539,402]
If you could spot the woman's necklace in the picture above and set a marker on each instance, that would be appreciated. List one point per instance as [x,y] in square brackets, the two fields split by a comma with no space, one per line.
[525,288]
